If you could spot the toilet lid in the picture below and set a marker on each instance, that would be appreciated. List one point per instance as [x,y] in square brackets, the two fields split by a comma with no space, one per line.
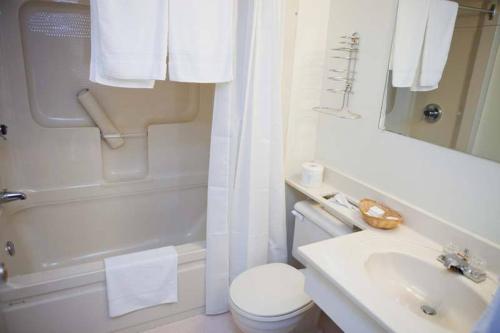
[269,290]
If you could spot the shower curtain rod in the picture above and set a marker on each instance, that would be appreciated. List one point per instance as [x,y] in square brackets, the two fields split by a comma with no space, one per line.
[491,11]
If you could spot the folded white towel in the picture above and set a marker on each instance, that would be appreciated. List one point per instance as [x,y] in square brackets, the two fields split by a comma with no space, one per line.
[201,41]
[411,23]
[142,279]
[490,320]
[437,42]
[128,42]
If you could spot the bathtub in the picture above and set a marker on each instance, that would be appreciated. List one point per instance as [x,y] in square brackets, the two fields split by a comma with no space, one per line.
[57,279]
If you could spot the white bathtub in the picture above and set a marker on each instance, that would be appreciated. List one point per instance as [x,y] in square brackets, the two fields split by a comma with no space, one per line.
[57,282]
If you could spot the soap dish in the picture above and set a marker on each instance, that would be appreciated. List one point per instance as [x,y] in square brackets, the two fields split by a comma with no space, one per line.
[389,220]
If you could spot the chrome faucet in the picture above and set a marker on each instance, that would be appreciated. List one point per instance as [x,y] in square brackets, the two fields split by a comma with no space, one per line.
[462,262]
[6,196]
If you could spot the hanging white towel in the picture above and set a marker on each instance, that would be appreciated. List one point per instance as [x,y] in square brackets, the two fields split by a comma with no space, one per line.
[140,280]
[128,42]
[437,42]
[201,41]
[408,41]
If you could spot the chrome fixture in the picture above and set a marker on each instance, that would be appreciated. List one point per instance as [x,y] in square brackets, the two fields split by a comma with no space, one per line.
[432,113]
[462,262]
[3,272]
[10,248]
[3,131]
[491,11]
[428,310]
[6,196]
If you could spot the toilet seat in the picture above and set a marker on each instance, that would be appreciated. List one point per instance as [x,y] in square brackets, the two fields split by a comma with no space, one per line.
[296,313]
[269,293]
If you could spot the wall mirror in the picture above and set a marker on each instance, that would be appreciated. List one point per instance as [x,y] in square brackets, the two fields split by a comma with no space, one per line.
[462,111]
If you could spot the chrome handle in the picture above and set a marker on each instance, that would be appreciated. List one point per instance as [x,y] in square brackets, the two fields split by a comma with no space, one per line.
[298,215]
[3,131]
[432,113]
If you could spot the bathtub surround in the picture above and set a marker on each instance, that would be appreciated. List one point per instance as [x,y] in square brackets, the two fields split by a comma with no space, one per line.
[75,216]
[141,280]
[131,39]
[246,204]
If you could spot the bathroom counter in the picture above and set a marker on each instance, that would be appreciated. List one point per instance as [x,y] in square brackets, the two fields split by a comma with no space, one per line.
[378,282]
[381,280]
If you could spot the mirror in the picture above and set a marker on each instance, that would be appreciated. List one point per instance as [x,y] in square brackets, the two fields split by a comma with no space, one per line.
[463,111]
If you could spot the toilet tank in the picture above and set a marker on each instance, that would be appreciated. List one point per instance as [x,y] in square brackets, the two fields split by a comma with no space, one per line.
[314,224]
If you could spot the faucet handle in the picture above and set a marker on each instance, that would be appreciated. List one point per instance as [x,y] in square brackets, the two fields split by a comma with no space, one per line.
[451,248]
[465,254]
[477,263]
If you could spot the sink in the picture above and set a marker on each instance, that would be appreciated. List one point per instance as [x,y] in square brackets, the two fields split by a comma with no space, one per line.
[374,281]
[426,289]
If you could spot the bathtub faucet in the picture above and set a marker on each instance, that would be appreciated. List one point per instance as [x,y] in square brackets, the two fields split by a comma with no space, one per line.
[6,196]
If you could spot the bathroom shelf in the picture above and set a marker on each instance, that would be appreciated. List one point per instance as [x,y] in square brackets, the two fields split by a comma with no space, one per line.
[346,215]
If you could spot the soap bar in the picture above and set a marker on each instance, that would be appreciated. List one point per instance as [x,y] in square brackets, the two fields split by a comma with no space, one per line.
[375,211]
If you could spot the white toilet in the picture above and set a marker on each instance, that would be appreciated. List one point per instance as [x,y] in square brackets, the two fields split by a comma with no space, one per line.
[271,298]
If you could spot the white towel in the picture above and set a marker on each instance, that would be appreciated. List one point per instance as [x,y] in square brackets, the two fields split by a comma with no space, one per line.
[490,320]
[140,280]
[201,41]
[408,41]
[128,42]
[437,42]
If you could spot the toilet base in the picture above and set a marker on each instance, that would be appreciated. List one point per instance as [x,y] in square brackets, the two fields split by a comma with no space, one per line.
[305,322]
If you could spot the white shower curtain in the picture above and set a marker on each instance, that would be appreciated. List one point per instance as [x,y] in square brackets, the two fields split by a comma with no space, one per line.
[246,201]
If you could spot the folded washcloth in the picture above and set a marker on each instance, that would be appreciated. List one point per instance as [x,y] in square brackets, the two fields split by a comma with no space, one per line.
[201,41]
[128,42]
[490,320]
[140,280]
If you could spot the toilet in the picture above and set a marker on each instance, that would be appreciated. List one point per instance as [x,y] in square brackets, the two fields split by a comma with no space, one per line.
[270,298]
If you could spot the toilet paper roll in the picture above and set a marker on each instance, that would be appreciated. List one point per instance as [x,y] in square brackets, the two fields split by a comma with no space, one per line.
[312,174]
[95,111]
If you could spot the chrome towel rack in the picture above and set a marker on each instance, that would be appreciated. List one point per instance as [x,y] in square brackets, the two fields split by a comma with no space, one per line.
[348,52]
[491,11]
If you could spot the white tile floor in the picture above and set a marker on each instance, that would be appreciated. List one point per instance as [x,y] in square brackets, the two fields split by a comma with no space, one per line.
[200,324]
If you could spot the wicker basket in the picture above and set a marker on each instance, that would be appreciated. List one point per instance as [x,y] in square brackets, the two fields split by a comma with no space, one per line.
[390,220]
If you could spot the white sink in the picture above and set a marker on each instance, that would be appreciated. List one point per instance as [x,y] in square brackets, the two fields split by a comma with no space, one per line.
[383,281]
[430,292]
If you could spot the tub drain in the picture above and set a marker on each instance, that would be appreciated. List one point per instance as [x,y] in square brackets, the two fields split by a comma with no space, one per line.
[428,310]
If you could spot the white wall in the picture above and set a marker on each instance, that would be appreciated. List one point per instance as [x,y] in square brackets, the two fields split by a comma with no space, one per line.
[459,188]
[306,72]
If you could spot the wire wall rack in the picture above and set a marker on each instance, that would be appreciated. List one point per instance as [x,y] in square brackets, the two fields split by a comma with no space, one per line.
[347,52]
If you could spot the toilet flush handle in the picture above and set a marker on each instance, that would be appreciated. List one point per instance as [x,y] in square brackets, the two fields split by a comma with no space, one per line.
[297,215]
